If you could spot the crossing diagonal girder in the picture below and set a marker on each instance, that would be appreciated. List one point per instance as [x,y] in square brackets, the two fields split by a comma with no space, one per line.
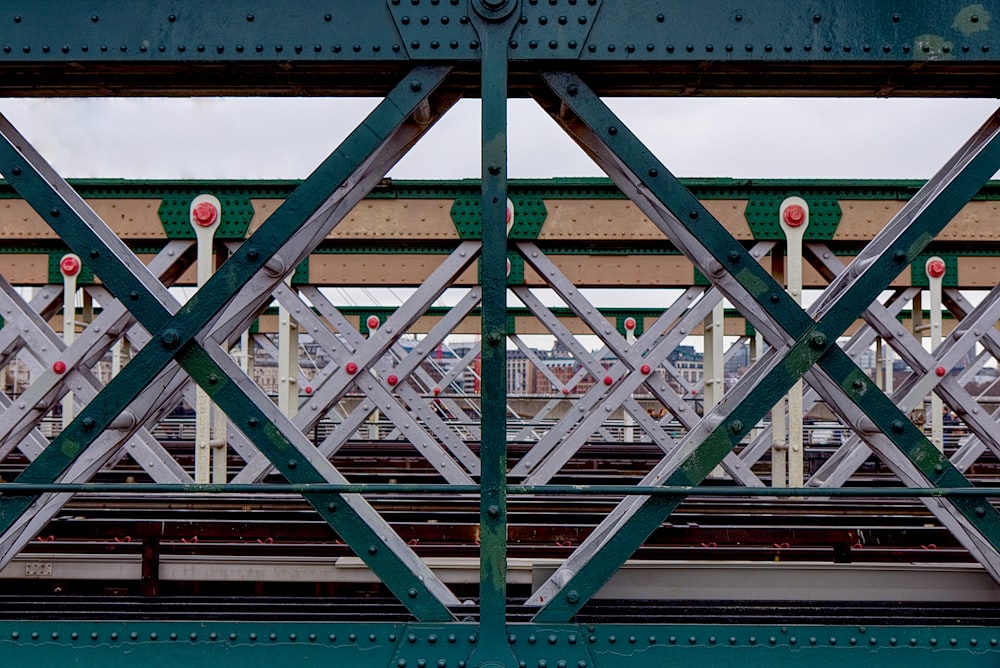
[799,339]
[272,251]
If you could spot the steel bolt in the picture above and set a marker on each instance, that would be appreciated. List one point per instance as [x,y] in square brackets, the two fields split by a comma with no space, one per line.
[493,511]
[736,426]
[170,338]
[818,340]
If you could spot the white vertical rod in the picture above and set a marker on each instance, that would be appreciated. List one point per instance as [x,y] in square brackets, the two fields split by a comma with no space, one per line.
[205,216]
[69,267]
[629,432]
[794,218]
[935,268]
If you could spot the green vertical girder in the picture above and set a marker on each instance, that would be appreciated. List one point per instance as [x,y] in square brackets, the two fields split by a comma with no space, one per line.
[815,341]
[494,29]
[173,336]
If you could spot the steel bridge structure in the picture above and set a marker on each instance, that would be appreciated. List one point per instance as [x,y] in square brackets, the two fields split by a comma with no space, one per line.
[85,457]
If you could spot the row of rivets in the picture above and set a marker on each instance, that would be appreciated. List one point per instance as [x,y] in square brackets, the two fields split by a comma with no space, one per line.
[474,44]
[193,637]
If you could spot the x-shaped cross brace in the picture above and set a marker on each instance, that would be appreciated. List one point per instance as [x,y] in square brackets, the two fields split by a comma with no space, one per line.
[243,285]
[799,339]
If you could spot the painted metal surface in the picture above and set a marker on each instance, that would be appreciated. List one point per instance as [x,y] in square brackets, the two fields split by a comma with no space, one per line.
[420,56]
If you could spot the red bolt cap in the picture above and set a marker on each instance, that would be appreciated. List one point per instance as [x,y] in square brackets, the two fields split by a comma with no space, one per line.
[510,211]
[630,324]
[437,391]
[351,368]
[393,379]
[795,215]
[69,265]
[59,366]
[565,390]
[204,214]
[608,380]
[309,389]
[645,369]
[940,371]
[935,267]
[373,322]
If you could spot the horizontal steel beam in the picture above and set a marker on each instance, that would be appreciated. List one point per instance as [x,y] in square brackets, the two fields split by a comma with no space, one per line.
[622,47]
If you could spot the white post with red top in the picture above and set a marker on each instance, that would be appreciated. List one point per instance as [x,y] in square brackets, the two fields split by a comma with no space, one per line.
[288,361]
[935,268]
[629,430]
[69,267]
[373,323]
[793,215]
[210,448]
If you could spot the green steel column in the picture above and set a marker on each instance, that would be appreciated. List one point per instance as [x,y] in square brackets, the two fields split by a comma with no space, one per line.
[494,28]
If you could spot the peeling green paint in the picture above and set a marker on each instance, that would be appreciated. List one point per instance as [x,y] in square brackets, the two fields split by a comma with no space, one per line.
[972,19]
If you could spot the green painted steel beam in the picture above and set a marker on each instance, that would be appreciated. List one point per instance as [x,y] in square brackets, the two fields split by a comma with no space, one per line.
[495,20]
[156,644]
[840,47]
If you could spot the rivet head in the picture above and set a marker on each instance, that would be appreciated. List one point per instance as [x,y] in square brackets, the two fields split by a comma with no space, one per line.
[573,596]
[170,338]
[572,89]
[897,426]
[818,340]
[736,426]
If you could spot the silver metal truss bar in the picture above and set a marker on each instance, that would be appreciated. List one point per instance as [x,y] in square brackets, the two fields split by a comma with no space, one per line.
[167,385]
[546,456]
[375,346]
[973,449]
[536,362]
[848,458]
[374,388]
[268,346]
[91,344]
[861,340]
[451,404]
[949,515]
[335,386]
[353,340]
[530,429]
[305,450]
[831,306]
[44,303]
[590,365]
[417,405]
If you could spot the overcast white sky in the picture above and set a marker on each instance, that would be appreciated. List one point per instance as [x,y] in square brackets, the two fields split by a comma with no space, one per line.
[254,138]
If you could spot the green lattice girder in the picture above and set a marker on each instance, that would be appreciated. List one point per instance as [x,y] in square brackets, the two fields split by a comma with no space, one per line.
[163,644]
[173,335]
[814,340]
